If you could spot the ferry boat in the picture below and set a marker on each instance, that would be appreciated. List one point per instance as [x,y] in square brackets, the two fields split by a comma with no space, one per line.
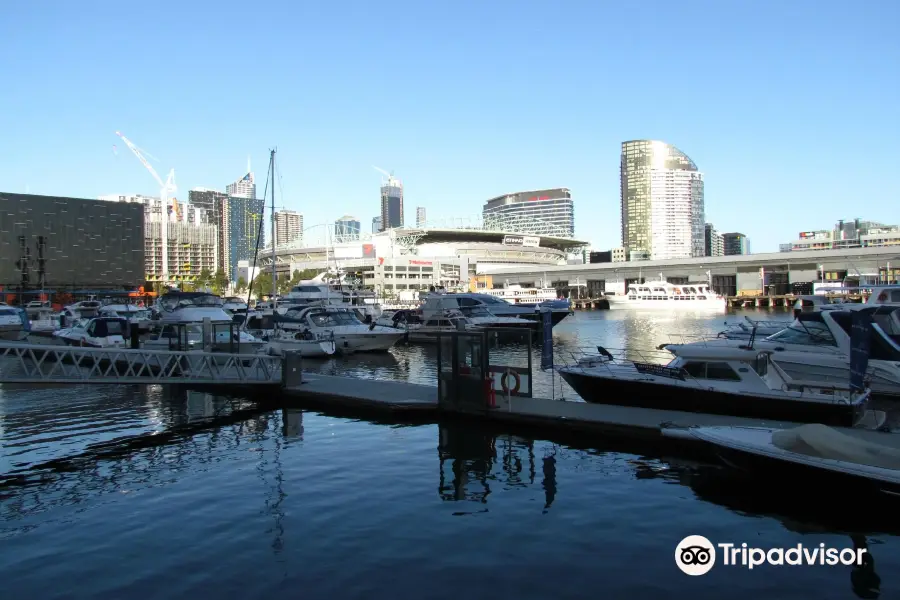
[516,294]
[668,296]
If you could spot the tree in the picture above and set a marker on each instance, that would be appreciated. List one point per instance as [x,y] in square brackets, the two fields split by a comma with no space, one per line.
[204,279]
[262,285]
[284,284]
[220,282]
[241,286]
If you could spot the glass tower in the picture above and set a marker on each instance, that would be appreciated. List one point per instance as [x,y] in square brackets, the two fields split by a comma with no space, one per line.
[661,201]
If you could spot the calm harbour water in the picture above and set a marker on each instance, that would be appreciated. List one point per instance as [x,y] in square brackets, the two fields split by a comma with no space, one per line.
[144,492]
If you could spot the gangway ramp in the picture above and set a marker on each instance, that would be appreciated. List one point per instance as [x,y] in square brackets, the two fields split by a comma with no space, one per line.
[37,363]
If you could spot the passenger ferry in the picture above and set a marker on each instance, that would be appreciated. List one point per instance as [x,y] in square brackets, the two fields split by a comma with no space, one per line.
[668,296]
[516,294]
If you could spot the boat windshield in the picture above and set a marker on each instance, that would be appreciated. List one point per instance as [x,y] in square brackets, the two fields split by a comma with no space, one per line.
[8,312]
[170,303]
[808,333]
[234,300]
[476,311]
[334,319]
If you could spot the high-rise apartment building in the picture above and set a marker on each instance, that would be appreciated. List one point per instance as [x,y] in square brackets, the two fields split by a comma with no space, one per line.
[211,201]
[288,227]
[420,216]
[539,212]
[713,243]
[245,187]
[347,228]
[391,203]
[735,244]
[377,225]
[192,240]
[853,233]
[662,201]
[241,220]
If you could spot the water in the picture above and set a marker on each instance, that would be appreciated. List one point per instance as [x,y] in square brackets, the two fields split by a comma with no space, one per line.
[141,492]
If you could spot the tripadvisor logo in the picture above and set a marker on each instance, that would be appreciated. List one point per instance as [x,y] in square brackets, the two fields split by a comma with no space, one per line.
[696,555]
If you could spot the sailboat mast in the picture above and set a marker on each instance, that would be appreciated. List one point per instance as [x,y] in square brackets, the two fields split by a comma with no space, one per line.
[274,274]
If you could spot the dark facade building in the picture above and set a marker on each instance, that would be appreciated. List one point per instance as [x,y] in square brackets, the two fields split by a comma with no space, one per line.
[210,201]
[240,228]
[70,243]
[601,257]
[391,204]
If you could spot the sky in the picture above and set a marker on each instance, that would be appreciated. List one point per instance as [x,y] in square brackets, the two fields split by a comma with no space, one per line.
[790,109]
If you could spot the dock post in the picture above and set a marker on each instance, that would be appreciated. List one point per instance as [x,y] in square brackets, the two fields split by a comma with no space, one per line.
[135,337]
[291,369]
[207,334]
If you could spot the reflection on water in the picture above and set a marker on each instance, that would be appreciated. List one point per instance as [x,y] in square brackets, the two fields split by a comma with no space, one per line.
[191,495]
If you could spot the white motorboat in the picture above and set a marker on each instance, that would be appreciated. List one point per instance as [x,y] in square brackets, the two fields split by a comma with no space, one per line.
[98,332]
[189,336]
[559,309]
[349,333]
[280,341]
[476,313]
[747,327]
[880,296]
[425,331]
[14,324]
[809,453]
[136,316]
[668,296]
[516,294]
[816,347]
[83,310]
[728,381]
[191,307]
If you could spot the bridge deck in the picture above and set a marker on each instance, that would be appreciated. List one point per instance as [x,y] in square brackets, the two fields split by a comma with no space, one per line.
[38,363]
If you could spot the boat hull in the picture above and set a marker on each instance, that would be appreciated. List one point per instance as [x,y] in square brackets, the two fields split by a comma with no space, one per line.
[622,303]
[306,348]
[12,333]
[363,342]
[782,471]
[647,394]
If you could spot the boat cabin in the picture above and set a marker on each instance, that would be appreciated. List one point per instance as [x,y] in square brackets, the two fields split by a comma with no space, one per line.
[663,290]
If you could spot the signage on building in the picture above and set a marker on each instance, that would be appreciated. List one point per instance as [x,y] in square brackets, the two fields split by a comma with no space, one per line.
[522,240]
[535,198]
[368,251]
[420,262]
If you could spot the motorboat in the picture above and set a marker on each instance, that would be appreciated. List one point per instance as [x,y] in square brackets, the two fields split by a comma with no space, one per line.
[668,296]
[476,314]
[14,324]
[816,346]
[425,330]
[138,317]
[349,333]
[98,332]
[189,336]
[747,328]
[281,341]
[559,309]
[881,296]
[192,307]
[36,307]
[84,309]
[728,381]
[813,453]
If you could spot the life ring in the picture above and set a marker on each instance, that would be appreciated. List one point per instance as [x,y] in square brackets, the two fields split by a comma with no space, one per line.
[504,381]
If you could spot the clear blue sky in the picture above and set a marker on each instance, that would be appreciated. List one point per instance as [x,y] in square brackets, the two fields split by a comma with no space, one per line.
[789,107]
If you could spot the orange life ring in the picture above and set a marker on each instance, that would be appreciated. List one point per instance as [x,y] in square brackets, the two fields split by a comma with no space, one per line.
[504,381]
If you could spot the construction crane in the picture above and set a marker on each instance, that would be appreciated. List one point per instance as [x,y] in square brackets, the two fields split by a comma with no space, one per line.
[166,188]
[392,181]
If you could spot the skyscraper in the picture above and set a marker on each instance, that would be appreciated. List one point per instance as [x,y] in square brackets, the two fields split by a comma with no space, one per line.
[420,216]
[347,228]
[661,201]
[245,187]
[391,203]
[541,212]
[713,244]
[735,244]
[210,201]
[376,225]
[288,227]
[240,228]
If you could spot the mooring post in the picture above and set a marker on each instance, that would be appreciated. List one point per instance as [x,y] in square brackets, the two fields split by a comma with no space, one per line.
[207,334]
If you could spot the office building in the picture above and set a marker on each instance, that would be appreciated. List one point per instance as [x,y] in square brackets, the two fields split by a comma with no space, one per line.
[70,243]
[241,221]
[539,212]
[846,234]
[420,216]
[391,203]
[713,243]
[662,202]
[347,228]
[377,225]
[735,244]
[288,227]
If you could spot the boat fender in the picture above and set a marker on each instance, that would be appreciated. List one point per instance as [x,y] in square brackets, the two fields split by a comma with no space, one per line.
[504,381]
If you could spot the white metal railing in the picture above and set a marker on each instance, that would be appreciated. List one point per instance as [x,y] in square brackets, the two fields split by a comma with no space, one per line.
[35,363]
